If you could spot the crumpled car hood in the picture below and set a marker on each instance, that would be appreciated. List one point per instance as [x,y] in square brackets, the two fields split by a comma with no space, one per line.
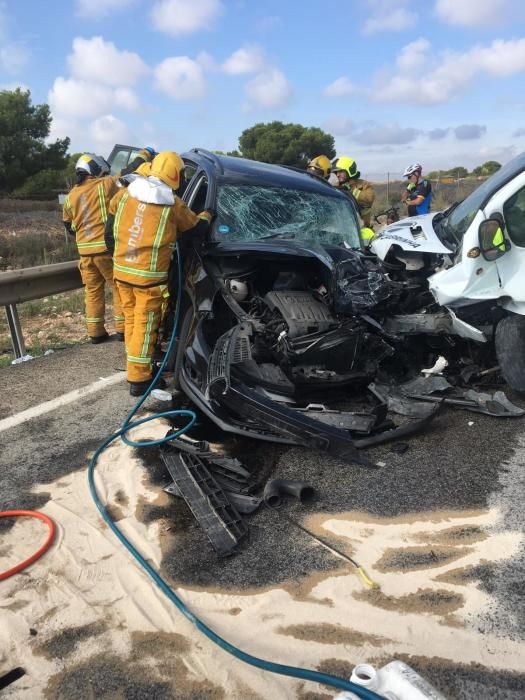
[330,256]
[415,234]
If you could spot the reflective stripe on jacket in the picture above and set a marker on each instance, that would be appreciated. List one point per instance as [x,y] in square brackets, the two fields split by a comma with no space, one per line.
[85,208]
[145,236]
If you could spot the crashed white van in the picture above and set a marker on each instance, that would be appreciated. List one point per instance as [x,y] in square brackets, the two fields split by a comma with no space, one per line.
[473,258]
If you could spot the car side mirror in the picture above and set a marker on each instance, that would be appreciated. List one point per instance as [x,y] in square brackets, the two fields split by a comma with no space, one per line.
[492,241]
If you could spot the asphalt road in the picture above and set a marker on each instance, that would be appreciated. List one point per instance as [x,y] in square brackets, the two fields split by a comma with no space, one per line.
[456,466]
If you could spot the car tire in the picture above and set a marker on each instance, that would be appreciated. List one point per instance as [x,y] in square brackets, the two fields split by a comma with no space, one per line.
[181,345]
[509,342]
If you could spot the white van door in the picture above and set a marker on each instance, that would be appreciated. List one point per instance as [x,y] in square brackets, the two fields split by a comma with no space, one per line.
[510,203]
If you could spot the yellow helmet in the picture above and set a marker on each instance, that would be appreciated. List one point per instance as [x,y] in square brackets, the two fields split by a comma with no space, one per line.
[321,164]
[348,165]
[168,166]
[144,169]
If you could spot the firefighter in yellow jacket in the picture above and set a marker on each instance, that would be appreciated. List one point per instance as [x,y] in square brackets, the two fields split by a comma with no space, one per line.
[144,223]
[362,191]
[85,217]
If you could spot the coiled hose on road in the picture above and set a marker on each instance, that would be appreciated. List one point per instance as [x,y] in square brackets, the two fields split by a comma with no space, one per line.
[129,424]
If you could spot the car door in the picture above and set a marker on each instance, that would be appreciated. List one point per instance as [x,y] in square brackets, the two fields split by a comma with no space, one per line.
[121,156]
[510,203]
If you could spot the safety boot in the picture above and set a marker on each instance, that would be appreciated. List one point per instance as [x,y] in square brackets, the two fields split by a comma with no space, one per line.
[96,339]
[140,388]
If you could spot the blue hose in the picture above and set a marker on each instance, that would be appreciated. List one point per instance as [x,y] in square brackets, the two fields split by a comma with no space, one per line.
[129,424]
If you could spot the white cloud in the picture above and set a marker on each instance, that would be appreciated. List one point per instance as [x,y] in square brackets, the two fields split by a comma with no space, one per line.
[339,88]
[482,13]
[98,9]
[106,131]
[269,90]
[181,78]
[126,99]
[177,17]
[100,61]
[76,98]
[389,16]
[70,98]
[450,73]
[248,59]
[413,54]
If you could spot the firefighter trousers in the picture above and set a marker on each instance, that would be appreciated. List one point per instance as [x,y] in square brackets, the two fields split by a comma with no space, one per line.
[143,307]
[97,271]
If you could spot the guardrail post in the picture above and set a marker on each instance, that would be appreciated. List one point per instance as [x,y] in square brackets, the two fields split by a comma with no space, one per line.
[17,338]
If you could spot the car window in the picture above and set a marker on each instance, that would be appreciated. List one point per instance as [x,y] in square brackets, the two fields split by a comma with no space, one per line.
[121,157]
[253,212]
[191,169]
[119,160]
[514,215]
[197,199]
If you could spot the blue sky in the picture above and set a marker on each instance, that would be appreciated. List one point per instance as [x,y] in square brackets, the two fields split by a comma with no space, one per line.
[441,82]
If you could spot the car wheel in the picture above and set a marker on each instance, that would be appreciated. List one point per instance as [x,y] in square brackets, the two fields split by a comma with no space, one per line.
[509,341]
[181,345]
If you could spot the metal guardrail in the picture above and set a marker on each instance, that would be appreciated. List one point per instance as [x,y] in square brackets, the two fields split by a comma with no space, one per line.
[30,283]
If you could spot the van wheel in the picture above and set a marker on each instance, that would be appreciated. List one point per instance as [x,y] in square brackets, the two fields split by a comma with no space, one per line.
[181,345]
[509,341]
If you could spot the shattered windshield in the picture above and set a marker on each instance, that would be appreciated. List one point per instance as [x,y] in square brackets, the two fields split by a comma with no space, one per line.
[253,212]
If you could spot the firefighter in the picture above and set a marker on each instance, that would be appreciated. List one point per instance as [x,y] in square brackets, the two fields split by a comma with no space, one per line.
[85,217]
[348,177]
[143,225]
[320,166]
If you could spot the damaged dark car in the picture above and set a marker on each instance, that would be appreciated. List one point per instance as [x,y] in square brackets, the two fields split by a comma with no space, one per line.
[282,312]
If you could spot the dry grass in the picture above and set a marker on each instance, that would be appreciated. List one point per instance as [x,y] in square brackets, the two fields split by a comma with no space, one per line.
[31,233]
[443,195]
[33,237]
[54,322]
[25,205]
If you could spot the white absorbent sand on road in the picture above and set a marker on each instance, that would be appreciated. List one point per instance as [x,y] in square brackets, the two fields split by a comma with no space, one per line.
[89,581]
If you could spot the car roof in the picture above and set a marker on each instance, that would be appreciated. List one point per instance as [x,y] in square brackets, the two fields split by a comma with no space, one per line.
[230,168]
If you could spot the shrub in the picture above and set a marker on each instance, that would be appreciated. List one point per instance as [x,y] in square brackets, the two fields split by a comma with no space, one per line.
[43,185]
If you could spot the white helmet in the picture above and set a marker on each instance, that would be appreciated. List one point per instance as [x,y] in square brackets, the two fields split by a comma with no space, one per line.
[415,168]
[93,165]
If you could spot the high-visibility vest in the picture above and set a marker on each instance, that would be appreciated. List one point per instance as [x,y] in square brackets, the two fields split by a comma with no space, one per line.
[367,235]
[498,241]
[86,209]
[145,236]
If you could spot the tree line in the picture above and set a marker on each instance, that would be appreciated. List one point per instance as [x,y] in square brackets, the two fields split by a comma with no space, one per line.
[30,166]
[460,172]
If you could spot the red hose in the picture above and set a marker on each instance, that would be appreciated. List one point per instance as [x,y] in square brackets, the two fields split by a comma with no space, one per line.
[30,514]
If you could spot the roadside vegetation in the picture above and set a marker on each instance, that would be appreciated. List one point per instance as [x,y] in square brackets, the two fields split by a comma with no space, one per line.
[31,233]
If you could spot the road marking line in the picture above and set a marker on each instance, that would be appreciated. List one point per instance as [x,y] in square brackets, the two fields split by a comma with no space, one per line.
[47,406]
